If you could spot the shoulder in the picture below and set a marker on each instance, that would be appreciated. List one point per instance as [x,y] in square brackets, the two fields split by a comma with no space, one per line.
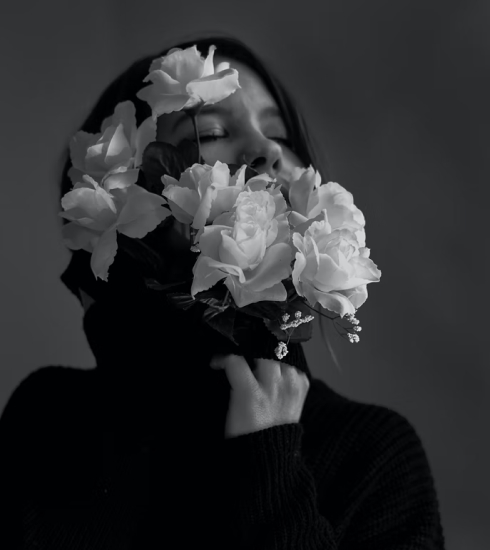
[370,431]
[365,448]
[46,396]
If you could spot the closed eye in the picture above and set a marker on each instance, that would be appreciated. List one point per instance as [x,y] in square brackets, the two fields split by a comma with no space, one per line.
[286,142]
[212,136]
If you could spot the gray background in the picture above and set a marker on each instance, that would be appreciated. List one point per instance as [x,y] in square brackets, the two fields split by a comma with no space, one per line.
[397,93]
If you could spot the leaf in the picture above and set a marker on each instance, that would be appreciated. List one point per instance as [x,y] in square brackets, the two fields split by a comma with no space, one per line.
[140,252]
[224,322]
[161,159]
[189,152]
[153,284]
[182,300]
[268,310]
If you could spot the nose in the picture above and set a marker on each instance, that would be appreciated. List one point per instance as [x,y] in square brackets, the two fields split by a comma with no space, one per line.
[265,156]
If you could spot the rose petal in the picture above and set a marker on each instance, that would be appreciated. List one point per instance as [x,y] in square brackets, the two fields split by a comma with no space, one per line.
[243,295]
[329,275]
[138,204]
[336,302]
[230,253]
[110,151]
[146,134]
[283,229]
[296,220]
[79,144]
[95,204]
[214,88]
[223,201]
[208,271]
[204,207]
[76,237]
[275,267]
[208,68]
[120,179]
[184,65]
[227,218]
[357,296]
[301,187]
[104,254]
[186,199]
[210,240]
[146,223]
[205,276]
[366,269]
[251,239]
[162,103]
[125,114]
[164,83]
[238,179]
[298,268]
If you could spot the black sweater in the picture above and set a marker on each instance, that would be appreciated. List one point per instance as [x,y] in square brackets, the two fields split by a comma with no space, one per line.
[132,456]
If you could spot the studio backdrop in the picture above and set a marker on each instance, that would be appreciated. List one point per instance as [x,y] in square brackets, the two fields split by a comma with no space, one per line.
[396,95]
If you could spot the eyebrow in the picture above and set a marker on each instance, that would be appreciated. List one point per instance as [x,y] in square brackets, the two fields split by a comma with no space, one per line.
[271,111]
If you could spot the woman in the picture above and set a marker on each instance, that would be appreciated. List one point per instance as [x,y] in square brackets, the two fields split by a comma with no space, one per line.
[179,438]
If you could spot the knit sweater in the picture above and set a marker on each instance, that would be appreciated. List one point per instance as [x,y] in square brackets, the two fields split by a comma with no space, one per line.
[132,456]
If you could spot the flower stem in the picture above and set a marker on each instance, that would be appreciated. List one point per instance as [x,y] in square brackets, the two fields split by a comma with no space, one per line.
[196,131]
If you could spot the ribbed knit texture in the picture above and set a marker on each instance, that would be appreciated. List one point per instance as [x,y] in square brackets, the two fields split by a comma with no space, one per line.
[131,456]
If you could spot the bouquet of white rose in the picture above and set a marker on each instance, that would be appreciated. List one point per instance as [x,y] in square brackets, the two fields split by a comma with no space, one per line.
[255,255]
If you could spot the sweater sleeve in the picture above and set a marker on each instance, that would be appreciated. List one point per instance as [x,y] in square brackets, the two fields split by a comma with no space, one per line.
[277,504]
[393,506]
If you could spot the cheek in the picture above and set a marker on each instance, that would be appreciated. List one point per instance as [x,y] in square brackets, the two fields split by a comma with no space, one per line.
[219,150]
[291,160]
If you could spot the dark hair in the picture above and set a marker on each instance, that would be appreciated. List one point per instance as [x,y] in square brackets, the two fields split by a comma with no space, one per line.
[127,85]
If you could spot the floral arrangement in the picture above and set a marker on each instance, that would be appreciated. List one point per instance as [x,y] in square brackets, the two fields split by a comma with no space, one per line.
[255,255]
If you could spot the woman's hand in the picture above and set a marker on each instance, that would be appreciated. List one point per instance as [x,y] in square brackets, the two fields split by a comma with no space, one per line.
[273,395]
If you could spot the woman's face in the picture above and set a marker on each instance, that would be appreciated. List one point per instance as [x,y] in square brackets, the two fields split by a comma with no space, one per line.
[246,127]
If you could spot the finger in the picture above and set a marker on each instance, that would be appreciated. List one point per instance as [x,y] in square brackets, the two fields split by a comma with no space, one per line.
[267,371]
[217,362]
[288,370]
[238,372]
[294,374]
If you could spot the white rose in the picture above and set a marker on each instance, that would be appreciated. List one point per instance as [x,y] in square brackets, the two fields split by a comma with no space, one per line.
[309,198]
[248,247]
[97,212]
[332,268]
[183,79]
[203,192]
[119,144]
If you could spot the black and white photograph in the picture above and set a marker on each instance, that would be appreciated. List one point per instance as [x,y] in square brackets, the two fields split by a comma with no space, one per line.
[243,275]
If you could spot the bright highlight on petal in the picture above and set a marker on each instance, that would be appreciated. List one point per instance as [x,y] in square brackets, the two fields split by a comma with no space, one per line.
[183,79]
